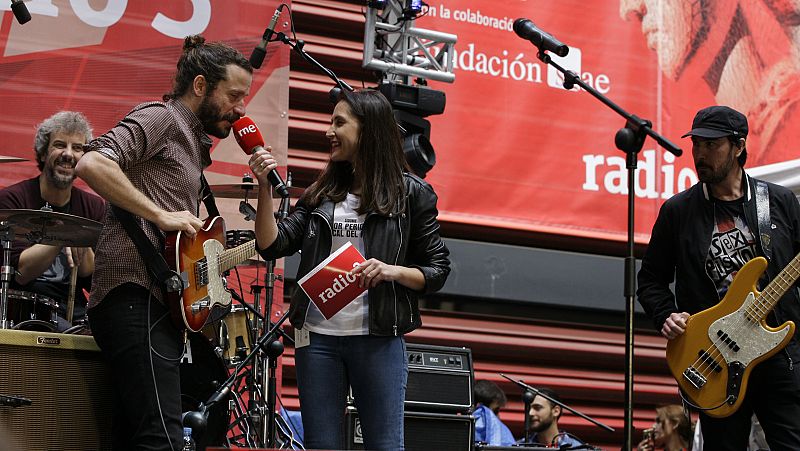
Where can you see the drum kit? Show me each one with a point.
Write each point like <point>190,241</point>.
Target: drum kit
<point>32,311</point>
<point>228,348</point>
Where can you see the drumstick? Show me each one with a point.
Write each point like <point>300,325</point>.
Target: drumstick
<point>73,281</point>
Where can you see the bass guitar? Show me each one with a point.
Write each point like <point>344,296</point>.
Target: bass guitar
<point>201,262</point>
<point>713,358</point>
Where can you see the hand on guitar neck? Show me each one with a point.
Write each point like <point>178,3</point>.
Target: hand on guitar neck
<point>674,325</point>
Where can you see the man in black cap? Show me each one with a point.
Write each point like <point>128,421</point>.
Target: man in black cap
<point>701,238</point>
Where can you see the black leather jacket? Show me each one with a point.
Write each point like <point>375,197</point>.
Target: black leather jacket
<point>680,241</point>
<point>410,238</point>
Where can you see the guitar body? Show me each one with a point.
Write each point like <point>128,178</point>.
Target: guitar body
<point>713,358</point>
<point>196,260</point>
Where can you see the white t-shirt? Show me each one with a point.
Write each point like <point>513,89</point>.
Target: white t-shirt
<point>354,318</point>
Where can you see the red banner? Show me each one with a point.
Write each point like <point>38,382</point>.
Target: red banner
<point>515,149</point>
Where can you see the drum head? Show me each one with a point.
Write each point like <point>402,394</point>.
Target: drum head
<point>199,380</point>
<point>36,325</point>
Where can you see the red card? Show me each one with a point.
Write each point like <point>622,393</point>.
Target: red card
<point>330,285</point>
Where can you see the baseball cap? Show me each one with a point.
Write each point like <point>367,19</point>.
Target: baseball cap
<point>718,121</point>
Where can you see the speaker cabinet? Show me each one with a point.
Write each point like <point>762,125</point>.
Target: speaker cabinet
<point>423,431</point>
<point>67,384</point>
<point>440,378</point>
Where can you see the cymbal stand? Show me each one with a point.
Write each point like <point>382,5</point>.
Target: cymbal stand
<point>6,272</point>
<point>275,347</point>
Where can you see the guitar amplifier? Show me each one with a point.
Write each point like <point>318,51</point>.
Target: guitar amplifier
<point>440,378</point>
<point>423,431</point>
<point>55,392</point>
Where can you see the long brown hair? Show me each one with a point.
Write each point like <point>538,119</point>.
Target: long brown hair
<point>378,163</point>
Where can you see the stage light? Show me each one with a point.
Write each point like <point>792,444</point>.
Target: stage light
<point>377,4</point>
<point>419,153</point>
<point>412,9</point>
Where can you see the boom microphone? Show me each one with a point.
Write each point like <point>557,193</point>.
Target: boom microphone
<point>20,11</point>
<point>545,41</point>
<point>260,51</point>
<point>250,140</point>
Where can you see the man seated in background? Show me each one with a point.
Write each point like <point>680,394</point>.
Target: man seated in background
<point>44,269</point>
<point>489,399</point>
<point>544,415</point>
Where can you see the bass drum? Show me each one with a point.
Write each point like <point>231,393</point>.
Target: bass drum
<point>199,380</point>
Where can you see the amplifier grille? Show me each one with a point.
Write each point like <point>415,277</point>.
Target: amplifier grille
<point>438,389</point>
<point>67,383</point>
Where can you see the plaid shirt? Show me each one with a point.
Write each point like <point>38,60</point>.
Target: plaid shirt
<point>162,149</point>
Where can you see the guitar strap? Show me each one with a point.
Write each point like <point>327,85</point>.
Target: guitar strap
<point>208,197</point>
<point>764,223</point>
<point>155,261</point>
<point>156,264</point>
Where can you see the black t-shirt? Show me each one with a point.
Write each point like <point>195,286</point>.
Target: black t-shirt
<point>732,244</point>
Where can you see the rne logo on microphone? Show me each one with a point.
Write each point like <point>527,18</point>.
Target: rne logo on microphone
<point>572,61</point>
<point>247,130</point>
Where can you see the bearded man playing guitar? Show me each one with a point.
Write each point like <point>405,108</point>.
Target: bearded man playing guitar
<point>738,342</point>
<point>150,165</point>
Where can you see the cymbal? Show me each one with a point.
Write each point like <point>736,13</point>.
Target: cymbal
<point>238,191</point>
<point>52,228</point>
<point>7,159</point>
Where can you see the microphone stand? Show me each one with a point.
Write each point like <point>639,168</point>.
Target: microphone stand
<point>298,47</point>
<point>275,348</point>
<point>630,140</point>
<point>536,392</point>
<point>527,399</point>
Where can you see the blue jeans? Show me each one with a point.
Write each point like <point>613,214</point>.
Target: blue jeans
<point>375,367</point>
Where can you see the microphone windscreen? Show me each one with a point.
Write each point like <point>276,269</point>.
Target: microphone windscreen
<point>247,134</point>
<point>21,12</point>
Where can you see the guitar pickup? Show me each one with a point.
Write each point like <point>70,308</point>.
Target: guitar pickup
<point>694,377</point>
<point>708,360</point>
<point>201,272</point>
<point>202,304</point>
<point>728,341</point>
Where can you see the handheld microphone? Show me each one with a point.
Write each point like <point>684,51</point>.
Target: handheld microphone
<point>529,31</point>
<point>260,51</point>
<point>20,11</point>
<point>250,140</point>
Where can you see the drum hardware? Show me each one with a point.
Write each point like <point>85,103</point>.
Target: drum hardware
<point>255,369</point>
<point>6,271</point>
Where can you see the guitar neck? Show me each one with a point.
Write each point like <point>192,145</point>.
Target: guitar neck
<point>233,256</point>
<point>780,284</point>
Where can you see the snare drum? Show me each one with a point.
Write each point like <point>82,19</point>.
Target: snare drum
<point>231,335</point>
<point>32,311</point>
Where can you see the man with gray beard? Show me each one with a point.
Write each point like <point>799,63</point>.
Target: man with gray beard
<point>41,268</point>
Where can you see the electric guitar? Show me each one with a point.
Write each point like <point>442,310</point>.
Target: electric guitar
<point>713,358</point>
<point>201,262</point>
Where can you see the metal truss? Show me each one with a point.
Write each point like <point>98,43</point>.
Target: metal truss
<point>392,45</point>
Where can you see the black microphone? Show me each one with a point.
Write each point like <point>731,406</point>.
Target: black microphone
<point>196,419</point>
<point>545,41</point>
<point>260,51</point>
<point>20,11</point>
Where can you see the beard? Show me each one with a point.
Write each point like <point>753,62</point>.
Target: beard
<point>210,115</point>
<point>60,181</point>
<point>541,425</point>
<point>711,176</point>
